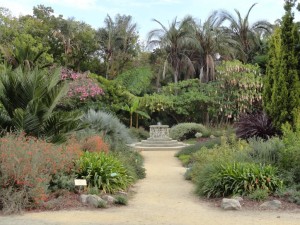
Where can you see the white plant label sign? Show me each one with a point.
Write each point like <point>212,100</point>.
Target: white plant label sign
<point>80,182</point>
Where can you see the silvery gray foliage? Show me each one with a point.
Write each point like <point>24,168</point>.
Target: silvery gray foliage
<point>109,126</point>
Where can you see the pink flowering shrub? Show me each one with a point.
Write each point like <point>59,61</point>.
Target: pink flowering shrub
<point>81,86</point>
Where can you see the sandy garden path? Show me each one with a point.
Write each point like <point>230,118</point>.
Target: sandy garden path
<point>164,197</point>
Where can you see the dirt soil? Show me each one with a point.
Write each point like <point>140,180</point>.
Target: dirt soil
<point>164,197</point>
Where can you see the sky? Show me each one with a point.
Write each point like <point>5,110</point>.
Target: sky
<point>93,12</point>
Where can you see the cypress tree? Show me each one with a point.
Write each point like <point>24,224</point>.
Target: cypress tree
<point>282,87</point>
<point>272,70</point>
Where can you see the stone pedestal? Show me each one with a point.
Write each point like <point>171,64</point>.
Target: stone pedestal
<point>159,139</point>
<point>158,132</point>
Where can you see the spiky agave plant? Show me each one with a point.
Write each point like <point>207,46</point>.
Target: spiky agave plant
<point>255,125</point>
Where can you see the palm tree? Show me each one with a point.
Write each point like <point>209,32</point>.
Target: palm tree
<point>29,100</point>
<point>212,41</point>
<point>174,40</point>
<point>117,39</point>
<point>244,33</point>
<point>134,108</point>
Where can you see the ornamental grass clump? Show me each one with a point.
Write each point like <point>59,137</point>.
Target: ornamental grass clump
<point>103,171</point>
<point>237,178</point>
<point>27,166</point>
<point>255,125</point>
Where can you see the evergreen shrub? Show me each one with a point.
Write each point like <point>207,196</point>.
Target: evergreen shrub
<point>184,131</point>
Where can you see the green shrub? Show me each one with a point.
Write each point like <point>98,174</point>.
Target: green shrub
<point>102,204</point>
<point>140,133</point>
<point>133,162</point>
<point>219,180</point>
<point>62,180</point>
<point>196,147</point>
<point>291,194</point>
<point>103,171</point>
<point>93,191</point>
<point>121,200</point>
<point>229,150</point>
<point>289,156</point>
<point>259,195</point>
<point>109,126</point>
<point>265,151</point>
<point>188,174</point>
<point>184,131</point>
<point>185,159</point>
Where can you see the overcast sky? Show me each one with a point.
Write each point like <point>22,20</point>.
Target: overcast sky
<point>93,12</point>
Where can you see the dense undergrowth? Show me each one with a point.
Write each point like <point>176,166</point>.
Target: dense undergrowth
<point>255,168</point>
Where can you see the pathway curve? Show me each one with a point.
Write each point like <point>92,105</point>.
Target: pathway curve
<point>164,197</point>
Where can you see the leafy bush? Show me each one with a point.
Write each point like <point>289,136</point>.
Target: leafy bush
<point>289,156</point>
<point>27,166</point>
<point>196,147</point>
<point>183,131</point>
<point>229,150</point>
<point>109,126</point>
<point>121,200</point>
<point>237,178</point>
<point>62,180</point>
<point>266,152</point>
<point>136,80</point>
<point>102,204</point>
<point>255,125</point>
<point>133,161</point>
<point>259,194</point>
<point>140,133</point>
<point>185,159</point>
<point>103,171</point>
<point>292,194</point>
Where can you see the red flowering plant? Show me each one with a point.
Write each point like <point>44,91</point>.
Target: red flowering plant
<point>27,165</point>
<point>81,87</point>
<point>95,143</point>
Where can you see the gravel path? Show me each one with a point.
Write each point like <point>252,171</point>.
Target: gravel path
<point>164,197</point>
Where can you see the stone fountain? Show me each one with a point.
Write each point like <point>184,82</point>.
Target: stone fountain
<point>159,140</point>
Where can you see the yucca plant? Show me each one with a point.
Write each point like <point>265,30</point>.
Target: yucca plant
<point>29,100</point>
<point>255,125</point>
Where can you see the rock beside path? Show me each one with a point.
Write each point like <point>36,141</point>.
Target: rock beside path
<point>274,204</point>
<point>230,204</point>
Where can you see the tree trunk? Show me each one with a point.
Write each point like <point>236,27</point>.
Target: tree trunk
<point>130,120</point>
<point>206,115</point>
<point>176,76</point>
<point>137,121</point>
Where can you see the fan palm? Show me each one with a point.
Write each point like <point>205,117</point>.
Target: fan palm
<point>174,40</point>
<point>244,33</point>
<point>29,99</point>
